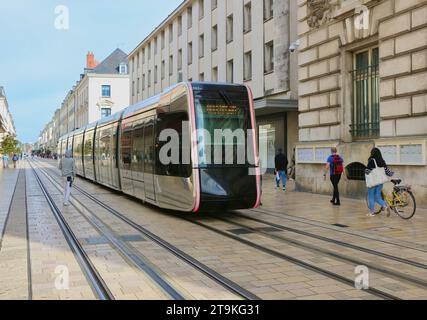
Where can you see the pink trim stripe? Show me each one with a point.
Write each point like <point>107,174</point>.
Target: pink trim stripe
<point>195,158</point>
<point>257,170</point>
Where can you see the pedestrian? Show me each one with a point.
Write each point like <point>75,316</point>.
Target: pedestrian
<point>68,169</point>
<point>335,166</point>
<point>281,165</point>
<point>15,159</point>
<point>5,159</point>
<point>376,181</point>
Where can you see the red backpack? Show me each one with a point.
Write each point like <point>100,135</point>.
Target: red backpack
<point>338,164</point>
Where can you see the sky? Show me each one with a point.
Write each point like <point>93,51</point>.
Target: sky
<point>40,63</point>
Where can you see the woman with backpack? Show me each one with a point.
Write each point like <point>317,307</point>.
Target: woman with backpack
<point>335,166</point>
<point>375,181</point>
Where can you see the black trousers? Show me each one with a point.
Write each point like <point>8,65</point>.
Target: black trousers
<point>335,179</point>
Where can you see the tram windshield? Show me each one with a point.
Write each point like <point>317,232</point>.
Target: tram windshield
<point>223,127</point>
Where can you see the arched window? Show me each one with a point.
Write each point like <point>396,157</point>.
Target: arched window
<point>356,171</point>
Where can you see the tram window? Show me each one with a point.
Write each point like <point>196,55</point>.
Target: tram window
<point>88,149</point>
<point>172,121</point>
<point>149,149</point>
<point>138,146</point>
<point>221,110</point>
<point>126,145</point>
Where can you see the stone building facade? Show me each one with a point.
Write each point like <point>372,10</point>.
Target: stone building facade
<point>235,41</point>
<point>362,83</point>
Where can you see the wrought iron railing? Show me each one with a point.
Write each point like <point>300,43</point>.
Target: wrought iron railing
<point>366,102</point>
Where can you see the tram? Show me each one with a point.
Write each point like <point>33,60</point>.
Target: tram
<point>126,151</point>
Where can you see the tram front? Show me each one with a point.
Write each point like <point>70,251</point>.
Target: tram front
<point>226,147</point>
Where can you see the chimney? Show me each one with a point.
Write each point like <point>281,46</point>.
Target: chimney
<point>91,63</point>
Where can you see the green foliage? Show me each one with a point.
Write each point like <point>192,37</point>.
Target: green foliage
<point>9,145</point>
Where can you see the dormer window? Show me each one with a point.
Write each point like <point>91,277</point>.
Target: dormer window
<point>123,68</point>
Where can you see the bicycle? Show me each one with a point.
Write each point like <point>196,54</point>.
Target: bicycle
<point>401,200</point>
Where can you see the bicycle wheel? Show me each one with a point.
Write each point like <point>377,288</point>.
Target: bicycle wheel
<point>378,208</point>
<point>405,205</point>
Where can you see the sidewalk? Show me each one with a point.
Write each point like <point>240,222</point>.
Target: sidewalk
<point>351,214</point>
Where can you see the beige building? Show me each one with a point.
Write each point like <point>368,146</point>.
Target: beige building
<point>7,127</point>
<point>102,90</point>
<point>363,83</point>
<point>238,41</point>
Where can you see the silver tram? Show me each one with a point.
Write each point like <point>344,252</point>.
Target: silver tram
<point>122,151</point>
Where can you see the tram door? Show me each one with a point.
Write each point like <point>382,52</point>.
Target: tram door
<point>149,160</point>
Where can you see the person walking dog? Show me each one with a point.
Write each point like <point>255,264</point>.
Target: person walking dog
<point>335,166</point>
<point>377,173</point>
<point>68,170</point>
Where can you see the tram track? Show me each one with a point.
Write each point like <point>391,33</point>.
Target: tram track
<point>280,227</point>
<point>6,221</point>
<point>332,275</point>
<point>314,223</point>
<point>218,278</point>
<point>316,249</point>
<point>92,275</point>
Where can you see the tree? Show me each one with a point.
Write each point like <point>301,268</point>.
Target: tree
<point>9,145</point>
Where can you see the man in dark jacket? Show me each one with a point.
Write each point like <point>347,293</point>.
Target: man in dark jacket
<point>281,165</point>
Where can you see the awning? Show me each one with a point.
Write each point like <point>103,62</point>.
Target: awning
<point>271,106</point>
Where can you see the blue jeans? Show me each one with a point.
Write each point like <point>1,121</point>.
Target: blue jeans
<point>374,196</point>
<point>283,177</point>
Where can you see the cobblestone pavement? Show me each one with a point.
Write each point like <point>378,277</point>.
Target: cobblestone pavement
<point>296,246</point>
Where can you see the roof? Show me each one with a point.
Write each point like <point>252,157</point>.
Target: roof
<point>111,64</point>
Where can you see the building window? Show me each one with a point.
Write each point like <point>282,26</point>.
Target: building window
<point>247,18</point>
<point>201,46</point>
<point>143,82</point>
<point>163,39</point>
<point>137,60</point>
<point>230,28</point>
<point>179,59</point>
<point>170,33</point>
<point>269,57</point>
<point>215,74</point>
<point>137,85</point>
<point>247,66</point>
<point>179,26</point>
<point>214,4</point>
<point>170,65</point>
<point>163,71</point>
<point>268,9</point>
<point>133,88</point>
<point>190,17</point>
<point>155,45</point>
<point>149,78</point>
<point>190,53</point>
<point>105,112</point>
<point>366,98</point>
<point>149,51</point>
<point>201,9</point>
<point>156,71</point>
<point>214,37</point>
<point>202,77</point>
<point>230,71</point>
<point>123,68</point>
<point>143,56</point>
<point>106,91</point>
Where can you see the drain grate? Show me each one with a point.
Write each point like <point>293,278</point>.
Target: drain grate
<point>103,240</point>
<point>268,229</point>
<point>132,238</point>
<point>340,225</point>
<point>239,232</point>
